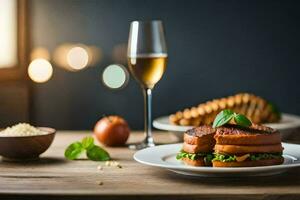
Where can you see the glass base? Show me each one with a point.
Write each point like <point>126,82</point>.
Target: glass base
<point>143,145</point>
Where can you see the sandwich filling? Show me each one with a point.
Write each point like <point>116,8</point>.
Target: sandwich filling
<point>207,157</point>
<point>250,157</point>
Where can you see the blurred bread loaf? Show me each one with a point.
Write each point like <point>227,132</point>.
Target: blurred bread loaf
<point>257,109</point>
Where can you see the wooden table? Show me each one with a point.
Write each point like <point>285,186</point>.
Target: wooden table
<point>53,177</point>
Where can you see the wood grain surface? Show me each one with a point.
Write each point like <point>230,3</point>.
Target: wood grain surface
<point>53,177</point>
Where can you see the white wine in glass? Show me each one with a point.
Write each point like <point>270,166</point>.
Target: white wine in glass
<point>147,69</point>
<point>147,59</point>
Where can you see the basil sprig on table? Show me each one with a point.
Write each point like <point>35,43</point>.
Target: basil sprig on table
<point>225,116</point>
<point>93,152</point>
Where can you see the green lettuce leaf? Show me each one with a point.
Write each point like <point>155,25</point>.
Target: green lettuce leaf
<point>194,156</point>
<point>256,156</point>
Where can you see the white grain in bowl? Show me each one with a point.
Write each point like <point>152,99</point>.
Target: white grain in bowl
<point>20,130</point>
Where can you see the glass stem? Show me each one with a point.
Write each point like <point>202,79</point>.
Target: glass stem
<point>148,116</point>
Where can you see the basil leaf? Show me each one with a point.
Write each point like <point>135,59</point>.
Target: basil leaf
<point>96,153</point>
<point>242,120</point>
<point>223,118</point>
<point>88,142</point>
<point>74,150</point>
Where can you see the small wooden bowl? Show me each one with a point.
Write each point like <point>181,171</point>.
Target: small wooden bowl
<point>21,148</point>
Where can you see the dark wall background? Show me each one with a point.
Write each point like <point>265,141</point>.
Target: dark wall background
<point>216,48</point>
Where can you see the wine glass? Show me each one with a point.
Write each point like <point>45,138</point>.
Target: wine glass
<point>147,59</point>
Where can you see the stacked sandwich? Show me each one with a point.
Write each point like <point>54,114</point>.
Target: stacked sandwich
<point>232,145</point>
<point>198,146</point>
<point>247,146</point>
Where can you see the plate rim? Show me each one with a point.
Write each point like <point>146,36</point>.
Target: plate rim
<point>170,127</point>
<point>136,157</point>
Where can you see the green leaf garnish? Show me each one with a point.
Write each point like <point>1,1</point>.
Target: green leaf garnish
<point>74,150</point>
<point>225,116</point>
<point>242,120</point>
<point>88,142</point>
<point>96,153</point>
<point>93,152</point>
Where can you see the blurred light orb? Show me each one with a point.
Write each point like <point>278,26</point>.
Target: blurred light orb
<point>77,58</point>
<point>65,56</point>
<point>60,56</point>
<point>115,76</point>
<point>40,70</point>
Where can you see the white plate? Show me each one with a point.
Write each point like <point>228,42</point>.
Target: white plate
<point>164,156</point>
<point>286,125</point>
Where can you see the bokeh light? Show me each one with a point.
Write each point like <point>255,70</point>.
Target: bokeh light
<point>39,52</point>
<point>77,58</point>
<point>60,56</point>
<point>115,76</point>
<point>40,70</point>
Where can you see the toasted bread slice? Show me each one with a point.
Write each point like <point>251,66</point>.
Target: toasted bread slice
<point>200,135</point>
<point>237,149</point>
<point>254,135</point>
<point>205,148</point>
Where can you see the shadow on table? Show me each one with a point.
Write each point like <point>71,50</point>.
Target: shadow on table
<point>40,161</point>
<point>285,179</point>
